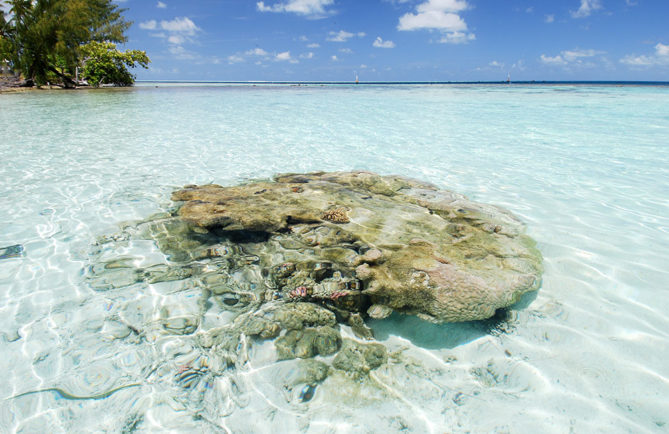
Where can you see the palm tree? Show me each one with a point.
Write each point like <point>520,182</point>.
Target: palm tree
<point>42,38</point>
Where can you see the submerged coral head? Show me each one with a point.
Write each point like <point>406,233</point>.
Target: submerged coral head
<point>393,244</point>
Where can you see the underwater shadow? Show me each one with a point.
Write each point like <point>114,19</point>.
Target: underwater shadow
<point>425,334</point>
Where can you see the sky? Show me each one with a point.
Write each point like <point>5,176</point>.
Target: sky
<point>401,40</point>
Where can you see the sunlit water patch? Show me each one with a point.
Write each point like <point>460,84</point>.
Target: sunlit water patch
<point>586,168</point>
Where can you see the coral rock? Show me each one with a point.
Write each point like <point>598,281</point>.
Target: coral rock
<point>426,251</point>
<point>359,358</point>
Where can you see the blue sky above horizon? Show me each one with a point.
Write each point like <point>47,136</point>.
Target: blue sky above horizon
<point>401,40</point>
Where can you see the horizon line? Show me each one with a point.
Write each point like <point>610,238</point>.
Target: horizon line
<point>497,82</point>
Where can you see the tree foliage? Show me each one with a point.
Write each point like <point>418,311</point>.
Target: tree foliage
<point>43,39</point>
<point>5,46</point>
<point>104,64</point>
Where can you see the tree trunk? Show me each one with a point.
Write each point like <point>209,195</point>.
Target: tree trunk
<point>67,80</point>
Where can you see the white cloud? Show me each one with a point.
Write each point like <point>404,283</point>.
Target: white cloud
<point>180,25</point>
<point>555,60</point>
<point>662,50</point>
<point>442,6</point>
<point>457,38</point>
<point>309,8</point>
<point>570,57</point>
<point>638,60</point>
<point>587,8</point>
<point>574,55</point>
<point>550,18</point>
<point>440,15</point>
<point>256,52</point>
<point>308,55</point>
<point>334,58</point>
<point>445,21</point>
<point>176,39</point>
<point>346,50</point>
<point>380,43</point>
<point>181,53</point>
<point>176,32</point>
<point>264,56</point>
<point>343,36</point>
<point>149,25</point>
<point>661,57</point>
<point>314,45</point>
<point>161,5</point>
<point>235,59</point>
<point>496,64</point>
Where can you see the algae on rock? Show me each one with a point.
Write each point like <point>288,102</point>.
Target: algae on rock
<point>385,242</point>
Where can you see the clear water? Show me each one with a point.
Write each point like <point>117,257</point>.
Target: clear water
<point>586,167</point>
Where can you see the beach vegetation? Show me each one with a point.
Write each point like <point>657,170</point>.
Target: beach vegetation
<point>47,40</point>
<point>104,64</point>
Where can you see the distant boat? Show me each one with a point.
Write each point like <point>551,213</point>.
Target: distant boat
<point>356,78</point>
<point>508,78</point>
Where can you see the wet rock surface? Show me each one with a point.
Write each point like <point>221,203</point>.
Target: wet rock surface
<point>302,261</point>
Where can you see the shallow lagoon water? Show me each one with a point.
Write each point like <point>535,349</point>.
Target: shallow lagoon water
<point>586,167</point>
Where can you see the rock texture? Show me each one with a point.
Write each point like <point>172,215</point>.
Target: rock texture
<point>375,243</point>
<point>8,83</point>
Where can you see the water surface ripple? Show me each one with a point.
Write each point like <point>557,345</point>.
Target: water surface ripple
<point>586,167</point>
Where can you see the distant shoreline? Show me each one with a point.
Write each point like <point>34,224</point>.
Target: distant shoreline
<point>391,83</point>
<point>175,83</point>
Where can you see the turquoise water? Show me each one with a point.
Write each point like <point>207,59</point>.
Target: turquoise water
<point>586,167</point>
